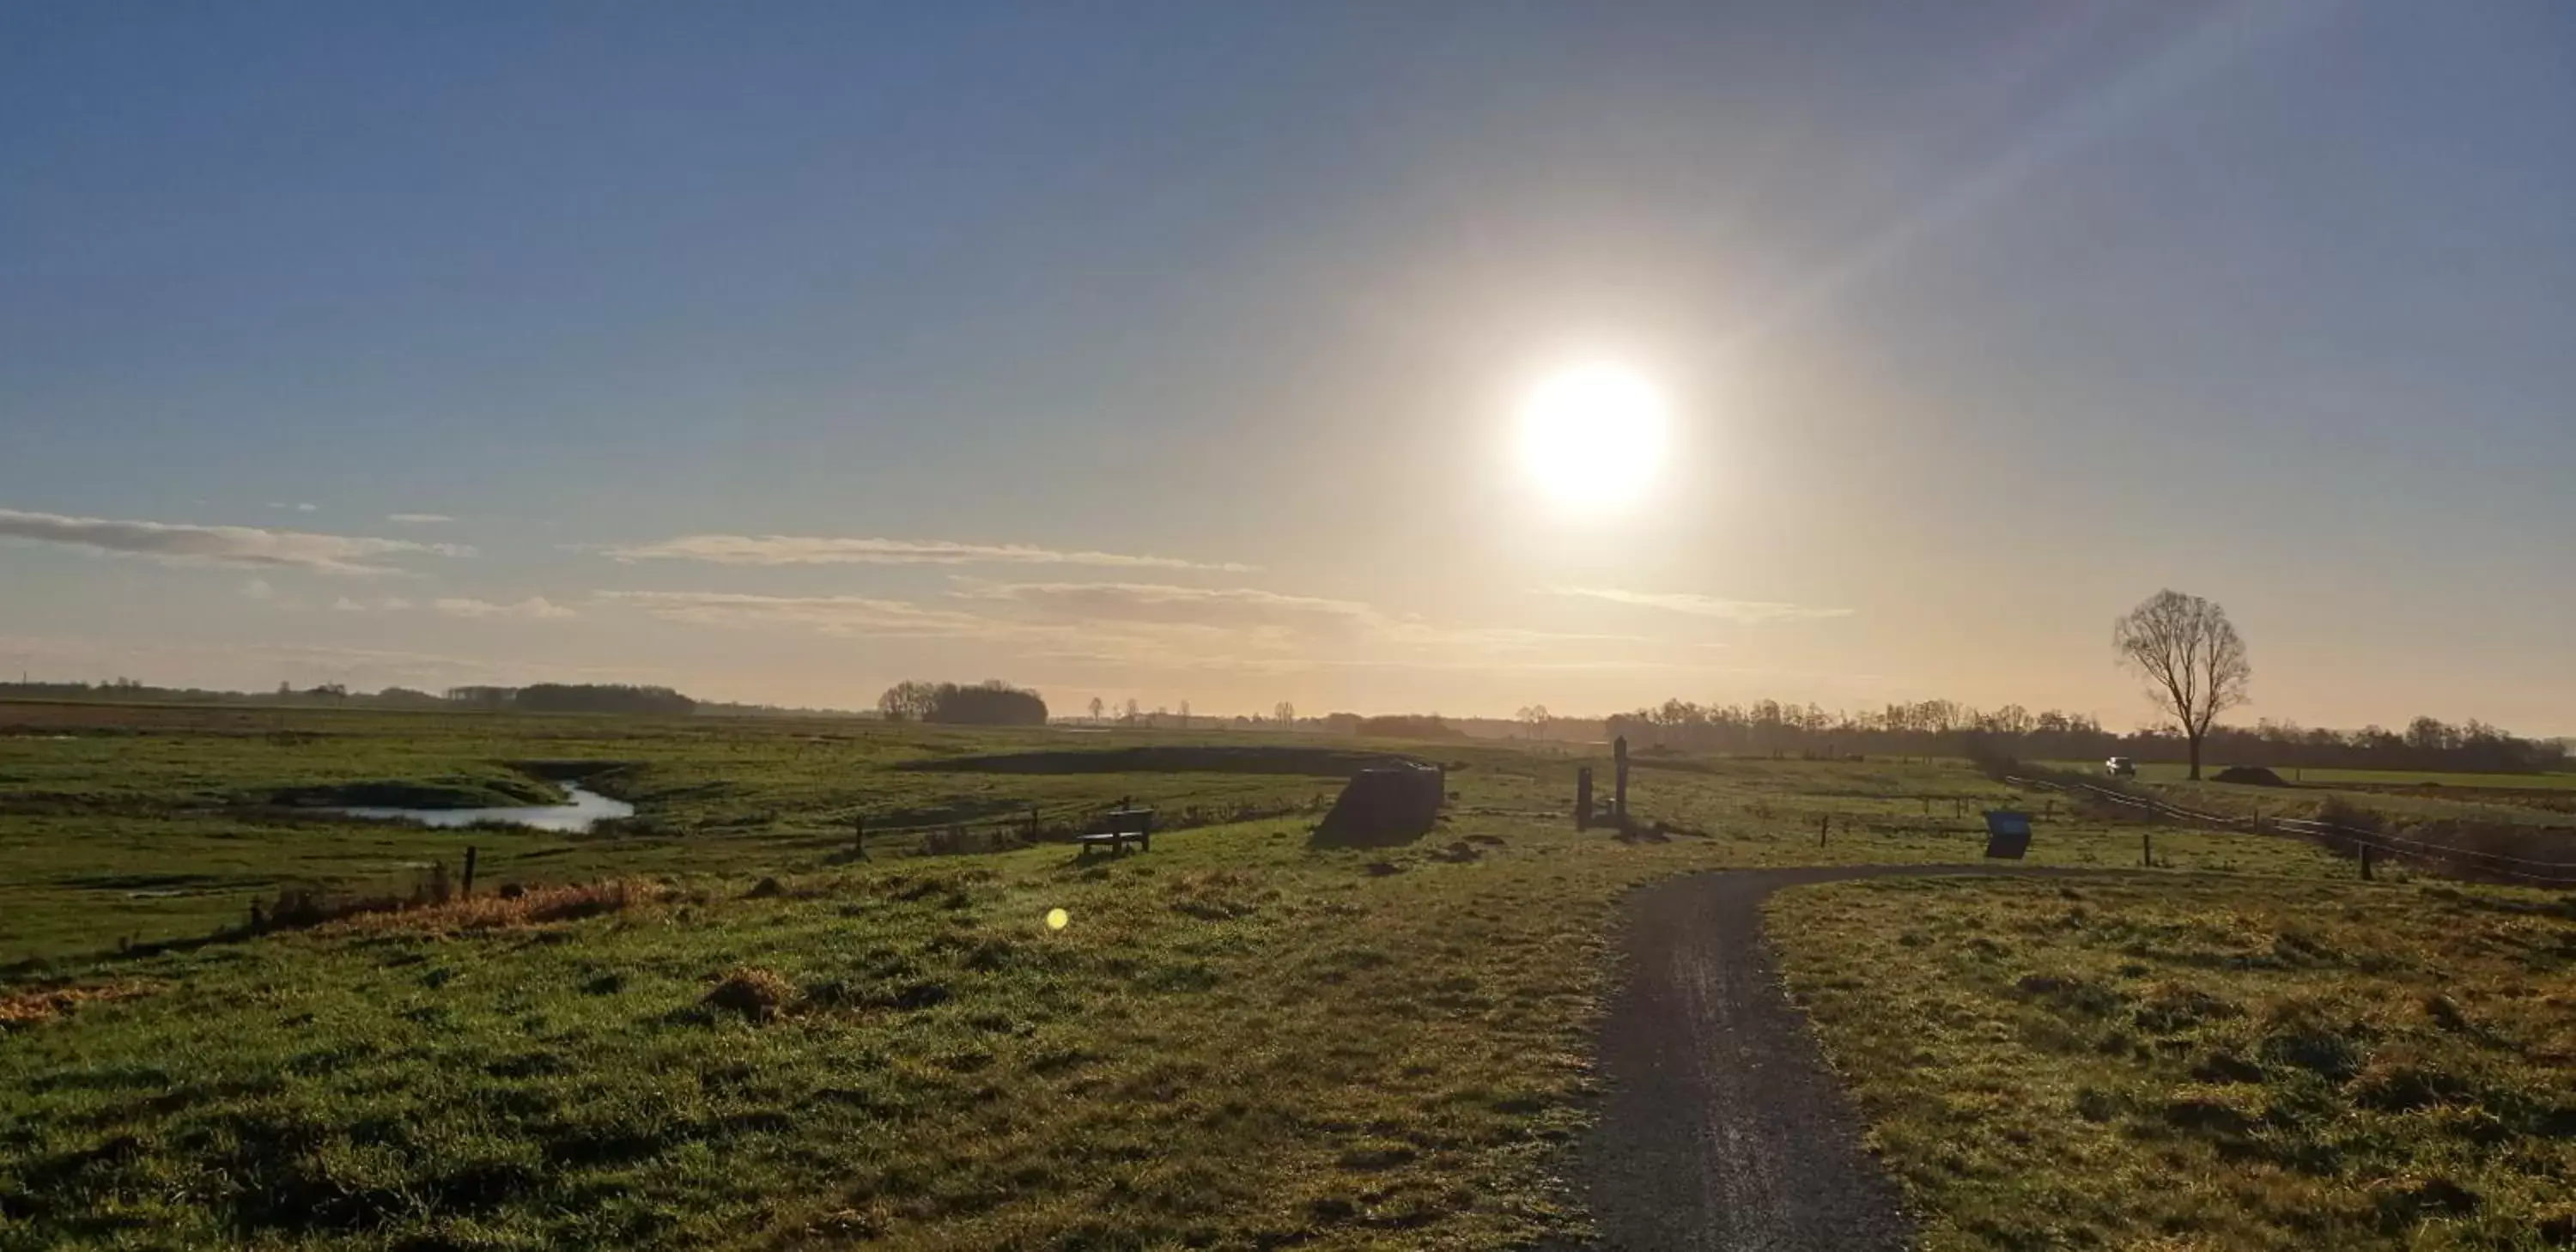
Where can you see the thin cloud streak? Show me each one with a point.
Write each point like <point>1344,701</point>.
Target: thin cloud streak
<point>247,547</point>
<point>418,519</point>
<point>1745,612</point>
<point>1146,624</point>
<point>534,608</point>
<point>826,550</point>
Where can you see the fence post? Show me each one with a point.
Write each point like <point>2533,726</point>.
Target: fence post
<point>2147,849</point>
<point>468,891</point>
<point>1619,797</point>
<point>1583,798</point>
<point>2365,862</point>
<point>1033,823</point>
<point>1824,825</point>
<point>859,836</point>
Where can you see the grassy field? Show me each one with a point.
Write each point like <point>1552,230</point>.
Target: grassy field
<point>1237,1039</point>
<point>2174,772</point>
<point>2206,1063</point>
<point>2537,810</point>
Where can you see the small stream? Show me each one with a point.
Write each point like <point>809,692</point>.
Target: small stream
<point>586,809</point>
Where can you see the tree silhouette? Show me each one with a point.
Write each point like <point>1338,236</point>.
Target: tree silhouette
<point>1096,707</point>
<point>2191,658</point>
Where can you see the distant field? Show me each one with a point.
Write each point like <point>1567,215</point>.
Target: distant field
<point>1238,1039</point>
<point>2160,772</point>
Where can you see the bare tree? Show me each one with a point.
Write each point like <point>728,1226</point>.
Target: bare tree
<point>1131,711</point>
<point>2191,658</point>
<point>1096,707</point>
<point>1284,713</point>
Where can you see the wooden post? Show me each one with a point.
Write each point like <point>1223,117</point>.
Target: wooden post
<point>1033,823</point>
<point>2146,849</point>
<point>2365,862</point>
<point>859,836</point>
<point>1619,793</point>
<point>1823,825</point>
<point>468,891</point>
<point>1583,798</point>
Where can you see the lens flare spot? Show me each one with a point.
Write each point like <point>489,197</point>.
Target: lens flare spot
<point>1057,919</point>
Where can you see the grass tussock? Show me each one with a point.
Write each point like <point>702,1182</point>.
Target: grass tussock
<point>751,993</point>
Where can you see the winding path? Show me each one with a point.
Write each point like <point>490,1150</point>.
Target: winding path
<point>1722,1127</point>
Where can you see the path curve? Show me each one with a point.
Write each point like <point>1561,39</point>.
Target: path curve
<point>1722,1129</point>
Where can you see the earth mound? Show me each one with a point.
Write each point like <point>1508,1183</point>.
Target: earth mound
<point>2251,775</point>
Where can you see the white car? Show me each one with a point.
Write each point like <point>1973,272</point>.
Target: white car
<point>2120,767</point>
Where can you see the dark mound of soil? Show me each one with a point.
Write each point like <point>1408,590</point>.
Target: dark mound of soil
<point>2251,775</point>
<point>1383,806</point>
<point>1165,759</point>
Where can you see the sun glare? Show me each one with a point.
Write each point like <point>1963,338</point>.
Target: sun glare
<point>1592,436</point>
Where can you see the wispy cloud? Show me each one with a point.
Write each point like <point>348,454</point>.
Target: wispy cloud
<point>833,615</point>
<point>1747,612</point>
<point>1155,602</point>
<point>418,519</point>
<point>534,608</point>
<point>1138,624</point>
<point>823,550</point>
<point>290,507</point>
<point>242,546</point>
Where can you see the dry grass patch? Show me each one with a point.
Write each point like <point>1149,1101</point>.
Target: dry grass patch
<point>32,1007</point>
<point>534,906</point>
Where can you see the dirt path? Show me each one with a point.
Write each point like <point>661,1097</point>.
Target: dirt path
<point>1722,1128</point>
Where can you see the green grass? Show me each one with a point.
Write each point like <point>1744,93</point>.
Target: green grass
<point>1238,1040</point>
<point>2204,1062</point>
<point>2153,771</point>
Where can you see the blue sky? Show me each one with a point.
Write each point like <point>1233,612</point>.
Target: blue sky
<point>1980,323</point>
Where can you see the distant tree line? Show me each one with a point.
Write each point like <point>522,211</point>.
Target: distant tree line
<point>602,698</point>
<point>1409,726</point>
<point>541,698</point>
<point>991,702</point>
<point>1933,727</point>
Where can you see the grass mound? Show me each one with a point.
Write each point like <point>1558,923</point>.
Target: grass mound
<point>752,993</point>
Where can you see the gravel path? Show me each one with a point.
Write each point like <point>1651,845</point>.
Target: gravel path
<point>1722,1128</point>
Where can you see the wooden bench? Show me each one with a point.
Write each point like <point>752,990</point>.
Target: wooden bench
<point>1119,828</point>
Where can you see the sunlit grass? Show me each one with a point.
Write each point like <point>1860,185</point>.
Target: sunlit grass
<point>2205,1062</point>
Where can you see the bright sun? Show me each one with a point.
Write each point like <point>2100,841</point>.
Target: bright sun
<point>1593,435</point>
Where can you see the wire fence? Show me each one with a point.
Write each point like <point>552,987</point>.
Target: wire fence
<point>2496,864</point>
